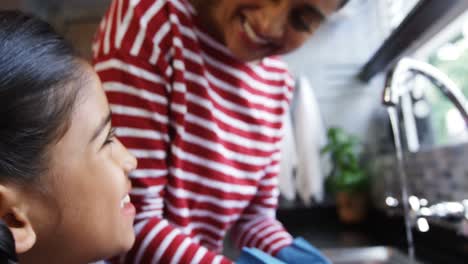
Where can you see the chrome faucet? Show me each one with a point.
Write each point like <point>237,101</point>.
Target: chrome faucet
<point>396,90</point>
<point>393,90</point>
<point>392,94</point>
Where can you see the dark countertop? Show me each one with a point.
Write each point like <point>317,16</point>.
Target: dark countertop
<point>321,227</point>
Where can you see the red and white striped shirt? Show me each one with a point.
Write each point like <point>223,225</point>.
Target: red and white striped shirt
<point>204,126</point>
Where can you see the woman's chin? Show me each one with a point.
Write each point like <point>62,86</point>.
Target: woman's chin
<point>245,56</point>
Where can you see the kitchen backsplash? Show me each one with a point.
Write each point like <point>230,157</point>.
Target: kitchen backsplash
<point>437,175</point>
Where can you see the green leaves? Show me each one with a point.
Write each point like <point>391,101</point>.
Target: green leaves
<point>347,174</point>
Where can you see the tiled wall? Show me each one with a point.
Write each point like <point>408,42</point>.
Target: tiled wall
<point>437,175</point>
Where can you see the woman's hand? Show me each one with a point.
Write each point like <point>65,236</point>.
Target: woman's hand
<point>300,251</point>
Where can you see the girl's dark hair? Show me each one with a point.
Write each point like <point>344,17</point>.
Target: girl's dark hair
<point>7,245</point>
<point>37,72</point>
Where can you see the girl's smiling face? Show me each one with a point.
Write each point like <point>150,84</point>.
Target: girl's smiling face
<point>254,29</point>
<point>85,213</point>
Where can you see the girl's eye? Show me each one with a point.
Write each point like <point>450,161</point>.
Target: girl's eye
<point>110,137</point>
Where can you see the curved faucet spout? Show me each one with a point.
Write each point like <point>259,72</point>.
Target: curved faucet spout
<point>393,90</point>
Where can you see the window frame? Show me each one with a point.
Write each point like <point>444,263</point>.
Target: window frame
<point>426,19</point>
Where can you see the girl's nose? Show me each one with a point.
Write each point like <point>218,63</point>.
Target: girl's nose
<point>129,162</point>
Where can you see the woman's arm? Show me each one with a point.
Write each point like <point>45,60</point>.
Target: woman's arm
<point>134,75</point>
<point>258,226</point>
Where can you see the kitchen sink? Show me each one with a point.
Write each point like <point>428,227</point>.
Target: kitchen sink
<point>367,255</point>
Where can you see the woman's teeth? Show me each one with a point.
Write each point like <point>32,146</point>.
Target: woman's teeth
<point>252,35</point>
<point>124,201</point>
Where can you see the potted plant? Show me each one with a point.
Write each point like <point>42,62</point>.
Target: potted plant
<point>347,180</point>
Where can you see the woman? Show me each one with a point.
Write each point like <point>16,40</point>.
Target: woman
<point>198,94</point>
<point>63,175</point>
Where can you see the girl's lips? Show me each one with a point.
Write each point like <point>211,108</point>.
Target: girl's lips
<point>127,207</point>
<point>124,200</point>
<point>129,210</point>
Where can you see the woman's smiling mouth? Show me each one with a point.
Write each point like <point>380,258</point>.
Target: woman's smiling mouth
<point>255,41</point>
<point>252,35</point>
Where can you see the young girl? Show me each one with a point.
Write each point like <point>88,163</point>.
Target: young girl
<point>63,175</point>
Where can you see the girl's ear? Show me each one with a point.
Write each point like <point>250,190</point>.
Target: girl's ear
<point>21,229</point>
<point>14,215</point>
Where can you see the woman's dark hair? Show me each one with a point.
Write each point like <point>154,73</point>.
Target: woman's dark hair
<point>343,3</point>
<point>7,245</point>
<point>37,72</point>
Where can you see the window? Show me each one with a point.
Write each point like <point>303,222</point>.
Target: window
<point>447,51</point>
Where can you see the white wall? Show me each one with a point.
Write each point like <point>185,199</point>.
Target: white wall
<point>333,57</point>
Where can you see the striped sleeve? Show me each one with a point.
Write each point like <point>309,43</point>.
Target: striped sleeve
<point>258,226</point>
<point>138,100</point>
<point>136,85</point>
